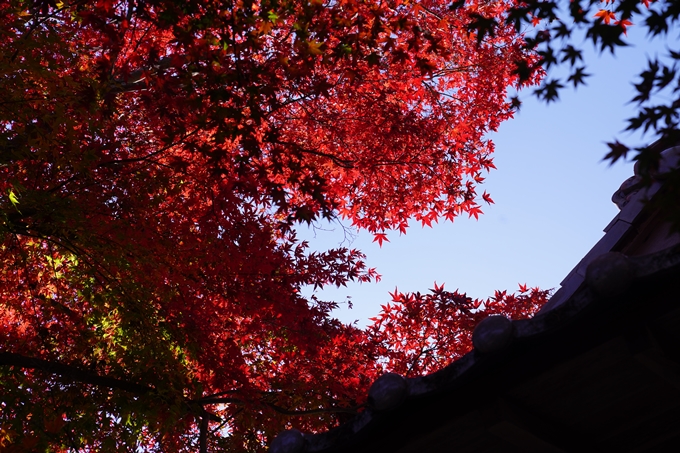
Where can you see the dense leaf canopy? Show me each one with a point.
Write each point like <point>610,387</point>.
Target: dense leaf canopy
<point>156,155</point>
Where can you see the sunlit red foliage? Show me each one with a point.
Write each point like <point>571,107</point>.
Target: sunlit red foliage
<point>155,158</point>
<point>420,333</point>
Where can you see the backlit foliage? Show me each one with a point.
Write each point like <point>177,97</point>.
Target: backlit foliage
<point>155,156</point>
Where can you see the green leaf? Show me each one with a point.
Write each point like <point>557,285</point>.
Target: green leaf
<point>13,198</point>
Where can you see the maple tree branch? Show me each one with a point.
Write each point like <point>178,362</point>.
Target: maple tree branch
<point>440,93</point>
<point>72,372</point>
<point>205,401</point>
<point>279,409</point>
<point>343,163</point>
<point>150,155</point>
<point>135,79</point>
<point>453,70</point>
<point>216,395</point>
<point>87,377</point>
<point>416,359</point>
<point>347,410</point>
<point>224,421</point>
<point>428,10</point>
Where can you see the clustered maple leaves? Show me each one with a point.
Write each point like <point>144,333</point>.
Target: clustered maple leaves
<point>155,157</point>
<point>608,16</point>
<point>419,333</point>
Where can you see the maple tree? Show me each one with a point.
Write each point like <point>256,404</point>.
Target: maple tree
<point>155,157</point>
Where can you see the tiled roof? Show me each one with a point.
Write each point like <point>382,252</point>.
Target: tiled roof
<point>535,361</point>
<point>603,355</point>
<point>624,229</point>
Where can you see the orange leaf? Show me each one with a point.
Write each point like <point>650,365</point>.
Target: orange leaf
<point>623,24</point>
<point>606,15</point>
<point>314,47</point>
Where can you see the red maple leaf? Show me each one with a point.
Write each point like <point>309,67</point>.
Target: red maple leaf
<point>475,211</point>
<point>379,238</point>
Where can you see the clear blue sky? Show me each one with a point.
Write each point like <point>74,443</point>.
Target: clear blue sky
<point>552,194</point>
